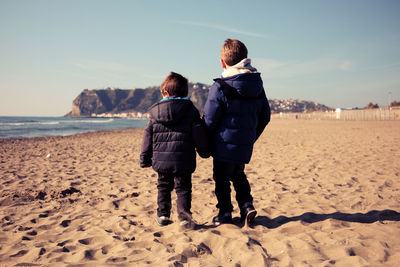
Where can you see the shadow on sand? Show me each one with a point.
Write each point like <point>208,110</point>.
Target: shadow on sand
<point>310,217</point>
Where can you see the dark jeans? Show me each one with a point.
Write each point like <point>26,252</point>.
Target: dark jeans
<point>223,174</point>
<point>183,189</point>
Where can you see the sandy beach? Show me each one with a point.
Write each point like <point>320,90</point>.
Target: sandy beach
<point>327,194</point>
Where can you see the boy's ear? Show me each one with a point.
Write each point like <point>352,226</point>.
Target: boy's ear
<point>165,94</point>
<point>224,66</point>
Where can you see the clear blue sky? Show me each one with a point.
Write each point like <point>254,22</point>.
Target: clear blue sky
<point>338,53</point>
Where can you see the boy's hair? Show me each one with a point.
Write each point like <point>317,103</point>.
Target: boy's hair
<point>175,85</point>
<point>233,51</point>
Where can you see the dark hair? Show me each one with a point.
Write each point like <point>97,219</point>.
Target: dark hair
<point>175,85</point>
<point>233,51</point>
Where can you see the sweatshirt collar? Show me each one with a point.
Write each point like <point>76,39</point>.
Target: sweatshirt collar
<point>244,66</point>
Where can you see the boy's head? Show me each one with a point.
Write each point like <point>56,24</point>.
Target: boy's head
<point>174,85</point>
<point>233,51</point>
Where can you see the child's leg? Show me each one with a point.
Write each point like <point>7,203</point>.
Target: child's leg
<point>243,195</point>
<point>183,188</point>
<point>222,171</point>
<point>241,185</point>
<point>165,185</point>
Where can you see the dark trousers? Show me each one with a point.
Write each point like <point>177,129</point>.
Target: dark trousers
<point>223,174</point>
<point>183,188</point>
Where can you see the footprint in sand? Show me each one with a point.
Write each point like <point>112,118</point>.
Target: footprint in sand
<point>32,233</point>
<point>85,241</point>
<point>19,253</point>
<point>216,232</point>
<point>89,254</point>
<point>116,259</point>
<point>179,259</point>
<point>65,223</point>
<point>42,251</point>
<point>21,228</point>
<point>351,252</point>
<point>201,249</point>
<point>105,249</point>
<point>116,204</point>
<point>61,244</point>
<point>157,234</point>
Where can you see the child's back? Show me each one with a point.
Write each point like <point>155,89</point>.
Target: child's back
<point>170,140</point>
<point>236,113</point>
<point>239,117</point>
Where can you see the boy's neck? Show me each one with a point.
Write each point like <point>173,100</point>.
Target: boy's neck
<point>224,65</point>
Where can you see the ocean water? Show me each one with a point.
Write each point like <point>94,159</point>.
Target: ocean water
<point>22,127</point>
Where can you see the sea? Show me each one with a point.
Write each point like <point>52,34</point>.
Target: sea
<point>25,127</point>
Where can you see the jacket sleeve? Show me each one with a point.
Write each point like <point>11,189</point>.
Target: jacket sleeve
<point>263,118</point>
<point>200,137</point>
<point>147,146</point>
<point>213,108</point>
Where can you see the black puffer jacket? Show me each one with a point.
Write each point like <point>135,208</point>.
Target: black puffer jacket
<point>171,137</point>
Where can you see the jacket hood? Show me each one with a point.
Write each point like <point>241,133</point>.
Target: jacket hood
<point>170,111</point>
<point>247,84</point>
<point>243,66</point>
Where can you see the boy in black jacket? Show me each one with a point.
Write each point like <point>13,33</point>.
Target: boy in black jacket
<point>170,140</point>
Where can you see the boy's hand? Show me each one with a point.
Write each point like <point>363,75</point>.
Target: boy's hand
<point>145,165</point>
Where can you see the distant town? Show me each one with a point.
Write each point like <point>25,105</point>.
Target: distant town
<point>277,106</point>
<point>136,115</point>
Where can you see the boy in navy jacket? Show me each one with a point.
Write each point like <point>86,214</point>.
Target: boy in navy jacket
<point>171,138</point>
<point>236,113</point>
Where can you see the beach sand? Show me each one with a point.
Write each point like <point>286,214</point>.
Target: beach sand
<point>327,194</point>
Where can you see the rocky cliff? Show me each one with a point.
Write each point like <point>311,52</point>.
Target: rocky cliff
<point>115,101</point>
<point>111,100</point>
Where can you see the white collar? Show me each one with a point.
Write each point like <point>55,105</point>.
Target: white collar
<point>244,66</point>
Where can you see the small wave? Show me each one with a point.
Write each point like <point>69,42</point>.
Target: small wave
<point>47,126</point>
<point>100,121</point>
<point>90,121</point>
<point>29,123</point>
<point>12,123</point>
<point>49,123</point>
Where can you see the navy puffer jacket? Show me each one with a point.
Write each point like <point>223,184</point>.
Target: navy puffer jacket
<point>172,135</point>
<point>236,113</point>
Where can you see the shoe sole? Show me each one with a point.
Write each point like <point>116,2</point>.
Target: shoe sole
<point>190,225</point>
<point>251,215</point>
<point>160,224</point>
<point>223,222</point>
<point>216,223</point>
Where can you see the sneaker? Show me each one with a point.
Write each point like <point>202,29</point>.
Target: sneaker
<point>187,221</point>
<point>162,220</point>
<point>187,224</point>
<point>248,213</point>
<point>223,218</point>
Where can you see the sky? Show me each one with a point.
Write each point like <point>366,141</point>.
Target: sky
<point>343,53</point>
